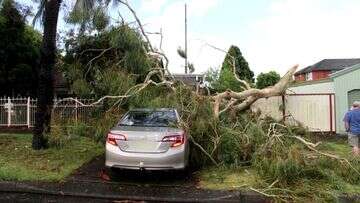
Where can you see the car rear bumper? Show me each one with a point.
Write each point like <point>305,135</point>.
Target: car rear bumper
<point>173,159</point>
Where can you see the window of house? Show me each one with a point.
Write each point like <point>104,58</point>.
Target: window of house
<point>308,76</point>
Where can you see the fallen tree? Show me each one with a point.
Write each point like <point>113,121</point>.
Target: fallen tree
<point>223,101</point>
<point>283,155</point>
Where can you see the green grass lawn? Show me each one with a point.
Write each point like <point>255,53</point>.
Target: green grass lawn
<point>19,162</point>
<point>229,179</point>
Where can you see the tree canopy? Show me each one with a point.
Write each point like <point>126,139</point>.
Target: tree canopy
<point>267,79</point>
<point>224,79</point>
<point>19,52</point>
<point>235,57</point>
<point>92,61</point>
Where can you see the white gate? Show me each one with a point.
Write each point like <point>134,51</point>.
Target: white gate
<point>314,111</point>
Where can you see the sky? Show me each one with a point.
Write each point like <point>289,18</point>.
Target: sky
<point>271,34</point>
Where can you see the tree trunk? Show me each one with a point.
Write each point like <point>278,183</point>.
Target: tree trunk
<point>47,63</point>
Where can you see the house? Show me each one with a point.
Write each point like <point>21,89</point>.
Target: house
<point>192,80</point>
<point>347,90</point>
<point>343,85</point>
<point>324,68</point>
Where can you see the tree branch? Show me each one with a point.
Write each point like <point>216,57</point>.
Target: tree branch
<point>124,2</point>
<point>249,96</point>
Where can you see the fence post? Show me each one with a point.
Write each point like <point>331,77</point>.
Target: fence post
<point>331,113</point>
<point>76,110</point>
<point>9,112</point>
<point>28,112</point>
<point>283,107</point>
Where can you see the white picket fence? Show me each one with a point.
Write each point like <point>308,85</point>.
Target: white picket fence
<point>16,112</point>
<point>314,111</point>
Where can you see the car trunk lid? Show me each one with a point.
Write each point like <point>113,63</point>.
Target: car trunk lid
<point>144,139</point>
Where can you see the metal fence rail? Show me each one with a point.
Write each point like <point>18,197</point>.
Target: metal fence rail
<point>21,111</point>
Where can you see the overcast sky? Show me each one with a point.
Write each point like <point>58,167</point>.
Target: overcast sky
<point>271,34</point>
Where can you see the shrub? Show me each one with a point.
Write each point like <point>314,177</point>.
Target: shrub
<point>58,136</point>
<point>77,129</point>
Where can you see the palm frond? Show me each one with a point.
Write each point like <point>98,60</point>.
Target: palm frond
<point>191,67</point>
<point>181,53</point>
<point>81,13</point>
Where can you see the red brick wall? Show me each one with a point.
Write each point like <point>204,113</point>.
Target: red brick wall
<point>300,77</point>
<point>318,75</point>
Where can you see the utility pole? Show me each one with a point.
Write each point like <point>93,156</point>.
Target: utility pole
<point>186,54</point>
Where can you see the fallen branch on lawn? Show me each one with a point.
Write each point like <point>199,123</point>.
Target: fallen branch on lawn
<point>284,198</point>
<point>312,147</point>
<point>332,156</point>
<point>203,150</point>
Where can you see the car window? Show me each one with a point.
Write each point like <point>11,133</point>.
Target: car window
<point>149,118</point>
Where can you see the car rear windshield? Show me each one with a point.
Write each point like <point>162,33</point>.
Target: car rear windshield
<point>149,118</point>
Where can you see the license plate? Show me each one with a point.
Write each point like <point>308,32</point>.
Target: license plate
<point>143,146</point>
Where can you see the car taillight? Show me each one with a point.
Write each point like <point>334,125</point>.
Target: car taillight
<point>176,140</point>
<point>111,138</point>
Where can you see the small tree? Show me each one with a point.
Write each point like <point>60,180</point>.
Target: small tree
<point>267,79</point>
<point>222,81</point>
<point>234,57</point>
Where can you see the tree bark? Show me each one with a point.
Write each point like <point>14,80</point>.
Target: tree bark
<point>46,85</point>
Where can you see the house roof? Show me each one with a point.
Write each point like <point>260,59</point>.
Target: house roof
<point>179,75</point>
<point>330,64</point>
<point>345,71</point>
<point>190,79</point>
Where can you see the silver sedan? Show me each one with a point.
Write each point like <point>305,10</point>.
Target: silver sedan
<point>147,139</point>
